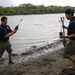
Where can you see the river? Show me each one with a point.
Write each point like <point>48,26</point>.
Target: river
<point>34,30</point>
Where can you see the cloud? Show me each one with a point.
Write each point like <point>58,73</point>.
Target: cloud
<point>37,2</point>
<point>47,2</point>
<point>6,3</point>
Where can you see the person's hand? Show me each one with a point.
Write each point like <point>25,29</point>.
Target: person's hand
<point>63,26</point>
<point>14,31</point>
<point>63,36</point>
<point>16,28</point>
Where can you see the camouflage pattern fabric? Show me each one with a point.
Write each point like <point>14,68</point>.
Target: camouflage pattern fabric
<point>69,49</point>
<point>5,46</point>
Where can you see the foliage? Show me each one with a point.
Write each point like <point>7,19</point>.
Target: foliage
<point>24,9</point>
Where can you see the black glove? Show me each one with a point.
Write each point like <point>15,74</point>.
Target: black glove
<point>16,28</point>
<point>60,33</point>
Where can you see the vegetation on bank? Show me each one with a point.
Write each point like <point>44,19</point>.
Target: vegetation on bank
<point>24,9</point>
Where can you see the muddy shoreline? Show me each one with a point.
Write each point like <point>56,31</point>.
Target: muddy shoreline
<point>48,64</point>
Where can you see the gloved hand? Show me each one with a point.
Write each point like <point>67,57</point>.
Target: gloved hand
<point>16,28</point>
<point>60,33</point>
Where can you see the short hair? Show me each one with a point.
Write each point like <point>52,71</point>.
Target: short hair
<point>3,18</point>
<point>69,11</point>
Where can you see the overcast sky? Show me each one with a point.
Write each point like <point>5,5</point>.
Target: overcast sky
<point>37,2</point>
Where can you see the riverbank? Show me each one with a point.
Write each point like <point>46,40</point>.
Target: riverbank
<point>48,64</point>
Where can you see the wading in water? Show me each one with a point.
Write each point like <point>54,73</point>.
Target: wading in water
<point>69,51</point>
<point>5,33</point>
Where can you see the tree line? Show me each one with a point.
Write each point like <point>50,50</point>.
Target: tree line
<point>24,9</point>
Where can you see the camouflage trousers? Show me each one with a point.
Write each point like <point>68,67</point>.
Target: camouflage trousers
<point>5,46</point>
<point>69,49</point>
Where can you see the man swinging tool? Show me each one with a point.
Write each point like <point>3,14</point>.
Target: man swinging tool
<point>5,33</point>
<point>69,51</point>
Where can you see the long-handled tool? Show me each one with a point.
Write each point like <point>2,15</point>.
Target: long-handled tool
<point>62,30</point>
<point>19,22</point>
<point>62,20</point>
<point>16,28</point>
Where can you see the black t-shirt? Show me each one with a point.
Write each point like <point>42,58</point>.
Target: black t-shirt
<point>4,30</point>
<point>71,27</point>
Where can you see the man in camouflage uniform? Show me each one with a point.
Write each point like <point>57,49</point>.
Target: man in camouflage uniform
<point>69,51</point>
<point>5,33</point>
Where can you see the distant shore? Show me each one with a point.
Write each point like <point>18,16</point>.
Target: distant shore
<point>28,8</point>
<point>49,64</point>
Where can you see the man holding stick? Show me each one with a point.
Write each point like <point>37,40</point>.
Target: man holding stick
<point>5,33</point>
<point>69,51</point>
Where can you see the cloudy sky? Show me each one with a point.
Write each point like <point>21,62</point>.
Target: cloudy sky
<point>37,2</point>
